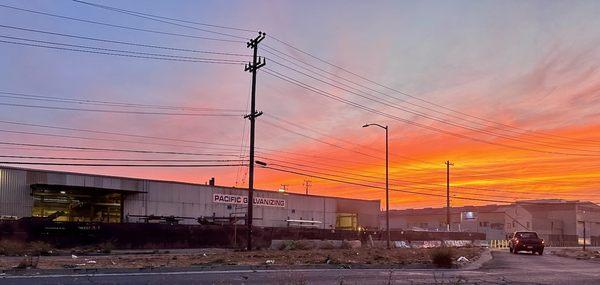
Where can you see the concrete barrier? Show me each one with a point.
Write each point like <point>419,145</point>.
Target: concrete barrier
<point>314,244</point>
<point>458,243</point>
<point>402,244</point>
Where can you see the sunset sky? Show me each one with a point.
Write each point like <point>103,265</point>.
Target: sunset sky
<point>508,91</point>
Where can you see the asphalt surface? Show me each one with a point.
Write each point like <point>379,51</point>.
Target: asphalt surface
<point>504,268</point>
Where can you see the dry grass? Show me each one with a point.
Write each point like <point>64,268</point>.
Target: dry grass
<point>18,248</point>
<point>220,257</point>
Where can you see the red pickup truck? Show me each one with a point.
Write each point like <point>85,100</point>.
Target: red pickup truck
<point>526,241</point>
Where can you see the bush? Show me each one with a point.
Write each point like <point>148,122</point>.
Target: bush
<point>106,247</point>
<point>351,244</point>
<point>304,244</point>
<point>15,247</point>
<point>12,247</point>
<point>327,244</point>
<point>28,263</point>
<point>288,245</point>
<point>442,257</point>
<point>40,248</point>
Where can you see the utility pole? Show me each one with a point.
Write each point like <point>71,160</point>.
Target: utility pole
<point>256,63</point>
<point>448,164</point>
<point>283,188</point>
<point>307,184</point>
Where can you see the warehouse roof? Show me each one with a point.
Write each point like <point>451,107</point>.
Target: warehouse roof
<point>169,181</point>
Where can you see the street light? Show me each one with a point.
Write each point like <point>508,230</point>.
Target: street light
<point>387,188</point>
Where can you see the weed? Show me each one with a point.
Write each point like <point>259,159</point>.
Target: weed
<point>442,257</point>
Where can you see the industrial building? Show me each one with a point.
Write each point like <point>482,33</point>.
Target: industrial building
<point>557,221</point>
<point>78,197</point>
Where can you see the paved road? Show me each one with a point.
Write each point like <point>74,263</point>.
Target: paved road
<point>505,268</point>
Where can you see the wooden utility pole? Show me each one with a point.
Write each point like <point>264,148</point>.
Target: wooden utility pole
<point>307,184</point>
<point>252,67</point>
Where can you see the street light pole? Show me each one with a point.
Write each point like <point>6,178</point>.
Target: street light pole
<point>387,183</point>
<point>584,237</point>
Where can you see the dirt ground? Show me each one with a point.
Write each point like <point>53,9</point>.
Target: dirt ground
<point>590,254</point>
<point>220,257</point>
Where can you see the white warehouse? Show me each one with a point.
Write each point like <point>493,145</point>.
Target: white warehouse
<point>79,197</point>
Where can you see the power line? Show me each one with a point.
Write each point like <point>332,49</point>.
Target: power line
<point>118,54</point>
<point>117,165</point>
<point>23,96</point>
<point>403,181</point>
<point>113,133</point>
<point>120,159</point>
<point>157,18</point>
<point>112,51</point>
<point>343,140</point>
<point>120,111</point>
<point>403,101</point>
<point>113,149</point>
<point>319,140</point>
<point>118,26</point>
<point>109,140</point>
<point>427,116</point>
<point>371,110</point>
<point>167,18</point>
<point>378,187</point>
<point>123,42</point>
<point>140,15</point>
<point>436,190</point>
<point>401,92</point>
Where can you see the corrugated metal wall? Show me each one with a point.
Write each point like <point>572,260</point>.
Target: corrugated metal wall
<point>15,194</point>
<point>186,200</point>
<point>181,199</point>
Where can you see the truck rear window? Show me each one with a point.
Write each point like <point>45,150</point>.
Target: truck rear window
<point>526,235</point>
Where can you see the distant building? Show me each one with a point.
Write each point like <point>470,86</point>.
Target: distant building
<point>78,197</point>
<point>557,221</point>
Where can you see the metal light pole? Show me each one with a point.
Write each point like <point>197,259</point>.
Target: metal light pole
<point>387,184</point>
<point>584,237</point>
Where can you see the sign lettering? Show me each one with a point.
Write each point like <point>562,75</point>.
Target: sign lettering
<point>243,200</point>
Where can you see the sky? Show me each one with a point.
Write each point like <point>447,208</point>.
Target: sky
<point>508,91</point>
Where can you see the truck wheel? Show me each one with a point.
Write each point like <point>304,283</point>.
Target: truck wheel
<point>541,252</point>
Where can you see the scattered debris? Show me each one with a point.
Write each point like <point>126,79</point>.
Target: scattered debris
<point>270,262</point>
<point>462,259</point>
<point>73,256</point>
<point>69,266</point>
